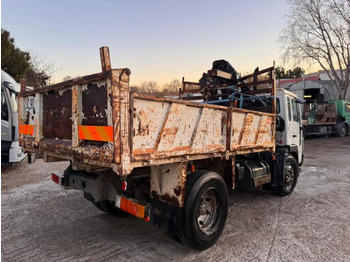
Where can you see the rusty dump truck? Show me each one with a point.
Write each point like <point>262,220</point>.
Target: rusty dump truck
<point>167,161</point>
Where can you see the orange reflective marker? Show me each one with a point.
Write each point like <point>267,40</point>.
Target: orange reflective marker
<point>26,129</point>
<point>96,133</point>
<point>131,207</point>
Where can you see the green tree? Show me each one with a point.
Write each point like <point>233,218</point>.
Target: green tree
<point>297,72</point>
<point>280,73</point>
<point>13,60</point>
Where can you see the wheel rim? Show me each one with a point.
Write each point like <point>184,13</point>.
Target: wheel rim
<point>289,177</point>
<point>207,213</point>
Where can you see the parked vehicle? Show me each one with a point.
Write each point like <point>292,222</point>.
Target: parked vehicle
<point>11,152</point>
<point>343,110</point>
<point>321,117</point>
<point>168,161</point>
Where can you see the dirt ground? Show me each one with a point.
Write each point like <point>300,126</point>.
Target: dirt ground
<point>40,224</point>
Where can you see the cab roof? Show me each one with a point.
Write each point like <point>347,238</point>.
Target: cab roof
<point>11,83</point>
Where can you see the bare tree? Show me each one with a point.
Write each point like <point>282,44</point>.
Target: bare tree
<point>173,86</point>
<point>318,31</point>
<point>40,70</point>
<point>149,87</point>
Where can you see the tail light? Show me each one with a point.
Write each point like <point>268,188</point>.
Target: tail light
<point>57,178</point>
<point>124,185</point>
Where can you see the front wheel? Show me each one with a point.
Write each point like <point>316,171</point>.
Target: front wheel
<point>291,173</point>
<point>205,209</point>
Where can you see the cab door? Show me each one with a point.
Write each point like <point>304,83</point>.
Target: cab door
<point>295,127</point>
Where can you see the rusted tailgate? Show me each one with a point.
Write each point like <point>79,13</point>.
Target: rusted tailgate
<point>65,117</point>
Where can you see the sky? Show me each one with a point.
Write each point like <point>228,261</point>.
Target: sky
<point>158,40</point>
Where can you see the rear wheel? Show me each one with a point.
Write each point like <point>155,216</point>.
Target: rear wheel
<point>342,131</point>
<point>291,173</point>
<point>205,209</point>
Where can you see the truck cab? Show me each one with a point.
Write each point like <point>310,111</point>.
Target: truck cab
<point>343,110</point>
<point>290,137</point>
<point>11,152</point>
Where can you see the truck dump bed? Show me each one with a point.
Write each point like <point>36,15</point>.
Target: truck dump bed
<point>96,121</point>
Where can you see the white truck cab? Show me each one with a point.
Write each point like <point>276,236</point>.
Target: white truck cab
<point>11,152</point>
<point>291,136</point>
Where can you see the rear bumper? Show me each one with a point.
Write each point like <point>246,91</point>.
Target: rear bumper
<point>101,188</point>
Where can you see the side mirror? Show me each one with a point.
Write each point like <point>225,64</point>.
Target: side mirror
<point>8,85</point>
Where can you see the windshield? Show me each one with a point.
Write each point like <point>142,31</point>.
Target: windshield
<point>14,101</point>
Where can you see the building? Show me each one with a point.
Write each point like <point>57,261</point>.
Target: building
<point>310,85</point>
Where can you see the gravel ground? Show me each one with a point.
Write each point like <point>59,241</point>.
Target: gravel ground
<point>312,224</point>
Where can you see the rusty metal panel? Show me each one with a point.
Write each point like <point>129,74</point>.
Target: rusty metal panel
<point>57,114</point>
<point>168,183</point>
<point>76,115</point>
<point>146,127</point>
<point>163,129</point>
<point>121,120</point>
<point>38,120</point>
<point>105,59</point>
<point>94,104</point>
<point>251,129</point>
<point>211,131</point>
<point>266,131</point>
<point>178,127</point>
<point>237,127</point>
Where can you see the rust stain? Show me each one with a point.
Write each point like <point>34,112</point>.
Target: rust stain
<point>166,198</point>
<point>177,190</point>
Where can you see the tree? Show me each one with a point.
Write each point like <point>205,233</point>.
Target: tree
<point>149,87</point>
<point>14,61</point>
<point>297,72</point>
<point>19,64</point>
<point>318,31</point>
<point>173,86</point>
<point>40,71</point>
<point>280,72</point>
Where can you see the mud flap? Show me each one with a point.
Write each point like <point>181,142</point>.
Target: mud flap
<point>278,169</point>
<point>166,217</point>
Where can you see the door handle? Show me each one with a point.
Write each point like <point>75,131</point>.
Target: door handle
<point>294,135</point>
